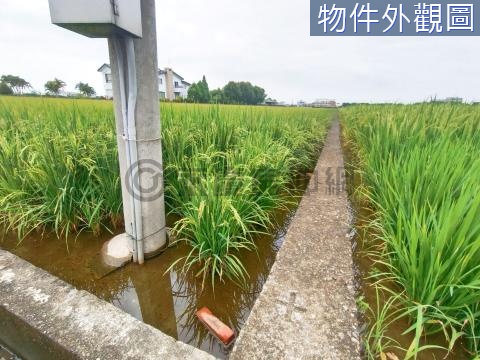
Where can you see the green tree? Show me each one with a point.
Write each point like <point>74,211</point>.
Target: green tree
<point>205,90</point>
<point>216,96</point>
<point>54,86</point>
<point>260,94</point>
<point>5,89</point>
<point>194,93</point>
<point>231,93</point>
<point>15,83</point>
<point>243,93</point>
<point>85,89</point>
<point>199,92</point>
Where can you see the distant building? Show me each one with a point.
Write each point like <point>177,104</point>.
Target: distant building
<point>453,100</point>
<point>448,100</point>
<point>171,86</point>
<point>271,102</point>
<point>326,103</point>
<point>301,103</point>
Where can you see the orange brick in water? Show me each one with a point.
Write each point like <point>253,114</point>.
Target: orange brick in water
<point>221,331</point>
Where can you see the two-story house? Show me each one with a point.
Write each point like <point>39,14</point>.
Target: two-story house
<point>171,86</point>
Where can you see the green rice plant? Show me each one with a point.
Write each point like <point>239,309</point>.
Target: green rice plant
<point>58,166</point>
<point>229,176</point>
<point>422,174</point>
<point>227,169</point>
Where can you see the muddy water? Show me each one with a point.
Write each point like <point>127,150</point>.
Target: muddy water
<point>6,354</point>
<point>364,242</point>
<point>165,300</point>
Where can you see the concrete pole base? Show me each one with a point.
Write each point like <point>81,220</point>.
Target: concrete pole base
<point>118,251</point>
<point>155,244</point>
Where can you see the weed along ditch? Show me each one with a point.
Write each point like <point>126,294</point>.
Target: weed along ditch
<point>234,176</point>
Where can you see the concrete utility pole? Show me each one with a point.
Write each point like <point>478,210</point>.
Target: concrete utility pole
<point>130,27</point>
<point>142,178</point>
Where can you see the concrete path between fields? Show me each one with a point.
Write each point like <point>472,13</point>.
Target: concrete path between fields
<point>307,307</point>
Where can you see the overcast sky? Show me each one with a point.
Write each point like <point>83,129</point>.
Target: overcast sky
<point>265,42</point>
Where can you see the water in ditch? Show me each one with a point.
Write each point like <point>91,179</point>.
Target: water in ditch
<point>166,300</point>
<point>6,353</point>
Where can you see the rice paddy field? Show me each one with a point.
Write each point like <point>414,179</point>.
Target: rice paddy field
<point>415,172</point>
<point>227,170</point>
<point>414,181</point>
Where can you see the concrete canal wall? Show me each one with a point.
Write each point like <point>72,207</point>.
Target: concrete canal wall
<point>42,317</point>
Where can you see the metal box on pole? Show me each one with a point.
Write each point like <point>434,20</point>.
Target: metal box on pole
<point>98,18</point>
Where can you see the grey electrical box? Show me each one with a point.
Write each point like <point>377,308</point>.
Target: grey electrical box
<point>98,18</point>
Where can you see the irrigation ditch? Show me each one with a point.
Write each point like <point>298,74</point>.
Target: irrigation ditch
<point>165,299</point>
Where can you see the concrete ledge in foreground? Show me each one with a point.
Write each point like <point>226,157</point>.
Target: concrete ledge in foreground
<point>307,307</point>
<point>43,316</point>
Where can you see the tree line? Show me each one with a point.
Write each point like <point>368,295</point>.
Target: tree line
<point>15,85</point>
<point>242,92</point>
